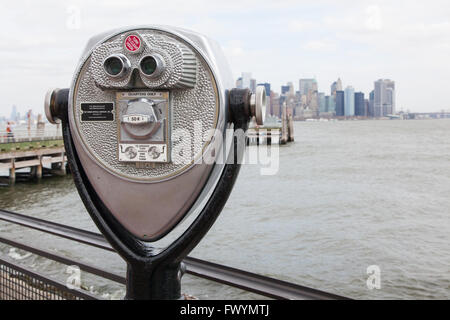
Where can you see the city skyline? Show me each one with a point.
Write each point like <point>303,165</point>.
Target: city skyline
<point>408,41</point>
<point>309,100</point>
<point>340,102</point>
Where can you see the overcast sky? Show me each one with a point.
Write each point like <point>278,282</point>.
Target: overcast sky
<point>278,41</point>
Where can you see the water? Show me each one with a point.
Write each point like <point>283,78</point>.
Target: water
<point>348,195</point>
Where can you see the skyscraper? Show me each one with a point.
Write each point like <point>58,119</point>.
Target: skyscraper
<point>291,88</point>
<point>371,104</point>
<point>253,85</point>
<point>339,84</point>
<point>13,116</point>
<point>308,89</point>
<point>349,102</point>
<point>307,85</point>
<point>340,107</point>
<point>285,89</point>
<point>360,109</point>
<point>322,105</point>
<point>384,98</point>
<point>275,104</point>
<point>336,86</point>
<point>246,78</point>
<point>333,88</point>
<point>366,107</point>
<point>330,102</point>
<point>327,103</point>
<point>390,97</point>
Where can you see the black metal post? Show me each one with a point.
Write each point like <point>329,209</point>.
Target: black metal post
<point>148,282</point>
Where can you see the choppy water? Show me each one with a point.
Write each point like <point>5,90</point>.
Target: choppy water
<point>348,195</point>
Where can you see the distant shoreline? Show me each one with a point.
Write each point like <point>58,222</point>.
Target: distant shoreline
<point>362,119</point>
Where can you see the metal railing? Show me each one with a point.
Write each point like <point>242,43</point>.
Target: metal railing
<point>18,283</point>
<point>262,285</point>
<point>34,134</point>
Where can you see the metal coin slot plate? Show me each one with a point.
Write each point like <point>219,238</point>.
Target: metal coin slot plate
<point>143,128</point>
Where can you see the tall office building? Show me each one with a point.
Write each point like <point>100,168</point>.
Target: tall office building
<point>246,78</point>
<point>360,106</point>
<point>336,86</point>
<point>14,115</point>
<point>307,85</point>
<point>384,98</point>
<point>275,104</point>
<point>285,89</point>
<point>291,88</point>
<point>308,89</point>
<point>371,112</point>
<point>349,102</point>
<point>330,104</point>
<point>390,97</point>
<point>246,81</point>
<point>339,84</point>
<point>253,85</point>
<point>340,106</point>
<point>366,107</point>
<point>322,104</point>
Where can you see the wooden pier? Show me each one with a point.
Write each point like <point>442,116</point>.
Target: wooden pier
<point>264,135</point>
<point>272,133</point>
<point>34,150</point>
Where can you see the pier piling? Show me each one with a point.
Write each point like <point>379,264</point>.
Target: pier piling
<point>12,175</point>
<point>39,170</point>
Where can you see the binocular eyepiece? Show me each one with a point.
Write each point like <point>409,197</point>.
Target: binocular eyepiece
<point>118,65</point>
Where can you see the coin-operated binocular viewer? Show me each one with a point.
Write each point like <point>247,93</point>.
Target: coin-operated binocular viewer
<point>145,126</point>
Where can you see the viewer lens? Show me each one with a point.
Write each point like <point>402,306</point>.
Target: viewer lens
<point>148,65</point>
<point>113,66</point>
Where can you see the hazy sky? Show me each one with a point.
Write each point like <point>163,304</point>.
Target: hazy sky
<point>278,41</point>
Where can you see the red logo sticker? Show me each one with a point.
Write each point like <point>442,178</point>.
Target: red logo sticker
<point>132,43</point>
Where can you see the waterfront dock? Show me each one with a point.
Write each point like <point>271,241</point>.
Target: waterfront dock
<point>35,149</point>
<point>272,132</point>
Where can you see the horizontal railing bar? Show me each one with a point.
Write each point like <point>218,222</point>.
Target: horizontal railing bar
<point>55,257</point>
<point>47,130</point>
<point>273,288</point>
<point>82,236</point>
<point>56,284</point>
<point>252,282</point>
<point>266,286</point>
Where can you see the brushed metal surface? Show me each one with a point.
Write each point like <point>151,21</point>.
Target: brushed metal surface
<point>150,201</point>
